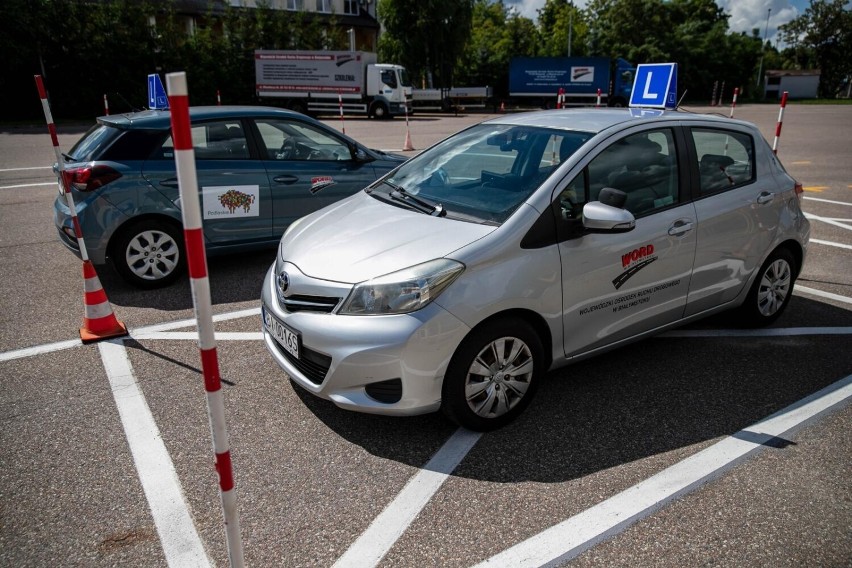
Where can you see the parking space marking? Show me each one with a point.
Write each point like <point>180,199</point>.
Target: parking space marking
<point>831,244</point>
<point>193,335</point>
<point>385,530</point>
<point>828,221</point>
<point>821,294</point>
<point>26,185</point>
<point>181,543</point>
<point>827,201</point>
<point>23,169</point>
<point>774,332</point>
<point>571,537</point>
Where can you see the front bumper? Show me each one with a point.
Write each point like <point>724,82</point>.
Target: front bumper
<point>391,365</point>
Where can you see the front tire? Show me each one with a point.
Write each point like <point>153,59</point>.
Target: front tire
<point>771,291</point>
<point>493,375</point>
<point>379,111</point>
<point>149,254</point>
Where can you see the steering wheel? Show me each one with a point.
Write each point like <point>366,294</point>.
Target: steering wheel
<point>288,150</point>
<point>439,177</point>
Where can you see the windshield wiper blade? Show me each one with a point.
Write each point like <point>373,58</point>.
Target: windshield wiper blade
<point>398,193</point>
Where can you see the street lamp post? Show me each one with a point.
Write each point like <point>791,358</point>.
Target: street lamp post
<point>763,49</point>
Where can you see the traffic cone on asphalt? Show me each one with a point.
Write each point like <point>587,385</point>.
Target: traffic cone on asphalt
<point>407,147</point>
<point>99,322</point>
<point>502,106</point>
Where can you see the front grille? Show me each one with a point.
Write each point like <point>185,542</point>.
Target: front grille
<point>389,391</point>
<point>310,363</point>
<point>321,304</point>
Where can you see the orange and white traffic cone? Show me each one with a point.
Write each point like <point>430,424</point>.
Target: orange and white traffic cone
<point>407,147</point>
<point>502,106</point>
<point>100,321</point>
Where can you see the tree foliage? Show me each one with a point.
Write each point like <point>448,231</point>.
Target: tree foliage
<point>821,38</point>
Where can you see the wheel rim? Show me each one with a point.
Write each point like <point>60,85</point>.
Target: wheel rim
<point>379,111</point>
<point>499,377</point>
<point>152,255</point>
<point>774,287</point>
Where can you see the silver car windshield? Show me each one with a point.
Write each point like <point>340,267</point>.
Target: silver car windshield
<point>485,172</point>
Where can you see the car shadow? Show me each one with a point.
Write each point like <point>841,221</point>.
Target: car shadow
<point>652,397</point>
<point>233,278</point>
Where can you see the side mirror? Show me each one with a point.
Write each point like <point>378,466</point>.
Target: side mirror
<point>598,217</point>
<point>359,155</point>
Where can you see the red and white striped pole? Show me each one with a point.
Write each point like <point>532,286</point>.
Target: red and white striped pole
<point>598,103</point>
<point>780,120</point>
<point>60,162</point>
<point>734,102</point>
<point>106,105</point>
<point>340,103</point>
<point>200,283</point>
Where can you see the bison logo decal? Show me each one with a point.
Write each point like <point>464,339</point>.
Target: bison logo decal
<point>233,199</point>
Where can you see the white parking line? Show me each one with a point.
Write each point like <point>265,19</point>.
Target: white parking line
<point>182,545</point>
<point>386,529</point>
<point>24,169</point>
<point>828,221</point>
<point>27,185</point>
<point>829,243</point>
<point>828,201</point>
<point>571,537</point>
<point>797,290</point>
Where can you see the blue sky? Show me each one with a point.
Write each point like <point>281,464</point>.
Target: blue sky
<point>745,14</point>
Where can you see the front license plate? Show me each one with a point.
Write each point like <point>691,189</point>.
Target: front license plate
<point>289,339</point>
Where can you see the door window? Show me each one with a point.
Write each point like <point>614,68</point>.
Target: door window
<point>725,159</point>
<point>220,140</point>
<point>292,140</point>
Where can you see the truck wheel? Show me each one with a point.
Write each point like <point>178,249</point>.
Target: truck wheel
<point>149,254</point>
<point>379,111</point>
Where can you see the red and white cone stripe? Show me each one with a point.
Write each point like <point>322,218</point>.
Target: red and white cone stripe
<point>200,283</point>
<point>106,105</point>
<point>734,102</point>
<point>780,120</point>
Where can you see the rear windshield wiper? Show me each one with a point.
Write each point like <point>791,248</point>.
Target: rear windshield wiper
<point>399,194</point>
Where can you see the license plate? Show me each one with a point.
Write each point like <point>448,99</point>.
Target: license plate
<point>288,338</point>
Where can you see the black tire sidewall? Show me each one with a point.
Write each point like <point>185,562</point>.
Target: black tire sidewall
<point>119,248</point>
<point>750,312</point>
<point>453,401</point>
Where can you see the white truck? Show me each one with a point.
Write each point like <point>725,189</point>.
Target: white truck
<point>323,82</point>
<point>451,99</point>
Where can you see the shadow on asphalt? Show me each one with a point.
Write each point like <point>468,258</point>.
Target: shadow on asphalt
<point>649,398</point>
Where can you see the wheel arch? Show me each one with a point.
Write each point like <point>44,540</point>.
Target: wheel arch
<point>121,229</point>
<point>535,320</point>
<point>796,250</point>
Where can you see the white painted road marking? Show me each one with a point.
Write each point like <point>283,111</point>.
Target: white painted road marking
<point>27,185</point>
<point>829,243</point>
<point>182,545</point>
<point>386,529</point>
<point>577,534</point>
<point>24,169</point>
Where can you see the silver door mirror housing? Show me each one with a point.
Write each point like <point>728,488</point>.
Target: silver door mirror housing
<point>601,218</point>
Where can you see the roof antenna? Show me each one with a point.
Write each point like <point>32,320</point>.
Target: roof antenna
<point>677,106</point>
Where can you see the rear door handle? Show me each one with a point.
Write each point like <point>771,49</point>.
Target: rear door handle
<point>171,182</point>
<point>286,179</point>
<point>765,197</point>
<point>681,227</point>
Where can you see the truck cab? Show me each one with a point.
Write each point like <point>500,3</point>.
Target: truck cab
<point>389,88</point>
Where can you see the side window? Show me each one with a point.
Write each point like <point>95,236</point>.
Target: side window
<point>221,140</point>
<point>725,159</point>
<point>643,165</point>
<point>389,78</point>
<point>293,140</point>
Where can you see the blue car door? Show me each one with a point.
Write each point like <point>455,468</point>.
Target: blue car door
<point>236,207</point>
<point>309,166</point>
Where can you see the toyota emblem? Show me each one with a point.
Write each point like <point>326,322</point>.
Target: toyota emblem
<point>283,282</point>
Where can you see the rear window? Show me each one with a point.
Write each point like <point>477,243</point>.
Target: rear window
<point>103,142</point>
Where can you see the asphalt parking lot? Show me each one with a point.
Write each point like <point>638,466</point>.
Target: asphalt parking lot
<point>705,446</point>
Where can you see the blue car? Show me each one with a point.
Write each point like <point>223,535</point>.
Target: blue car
<point>259,169</point>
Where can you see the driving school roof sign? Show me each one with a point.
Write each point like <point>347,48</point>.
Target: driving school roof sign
<point>655,86</point>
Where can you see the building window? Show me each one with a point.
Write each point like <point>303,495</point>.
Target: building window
<point>350,7</point>
<point>294,4</point>
<point>324,6</point>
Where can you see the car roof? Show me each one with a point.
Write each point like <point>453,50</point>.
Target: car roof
<point>161,119</point>
<point>598,120</point>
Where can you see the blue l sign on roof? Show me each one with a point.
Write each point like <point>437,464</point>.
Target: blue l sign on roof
<point>655,86</point>
<point>157,98</point>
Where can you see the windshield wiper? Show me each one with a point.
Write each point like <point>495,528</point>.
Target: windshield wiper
<point>399,194</point>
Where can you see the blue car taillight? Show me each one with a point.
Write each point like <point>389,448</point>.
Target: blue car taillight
<point>90,177</point>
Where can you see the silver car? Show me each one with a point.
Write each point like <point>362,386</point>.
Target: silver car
<point>526,243</point>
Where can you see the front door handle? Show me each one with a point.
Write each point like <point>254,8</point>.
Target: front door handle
<point>681,227</point>
<point>286,179</point>
<point>171,182</point>
<point>765,197</point>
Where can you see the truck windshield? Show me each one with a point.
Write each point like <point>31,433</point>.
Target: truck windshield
<point>403,78</point>
<point>485,172</point>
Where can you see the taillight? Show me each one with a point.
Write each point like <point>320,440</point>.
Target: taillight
<point>89,177</point>
<point>799,190</point>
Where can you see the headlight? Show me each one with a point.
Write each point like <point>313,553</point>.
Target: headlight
<point>404,291</point>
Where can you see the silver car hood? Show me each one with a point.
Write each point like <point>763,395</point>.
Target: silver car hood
<point>361,237</point>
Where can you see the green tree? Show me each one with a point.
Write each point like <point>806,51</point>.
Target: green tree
<point>822,38</point>
<point>559,21</point>
<point>426,36</point>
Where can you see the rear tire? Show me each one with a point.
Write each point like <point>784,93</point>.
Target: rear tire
<point>493,375</point>
<point>771,291</point>
<point>149,254</point>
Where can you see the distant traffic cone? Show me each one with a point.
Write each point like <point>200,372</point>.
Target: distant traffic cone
<point>99,322</point>
<point>407,147</point>
<point>502,106</point>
